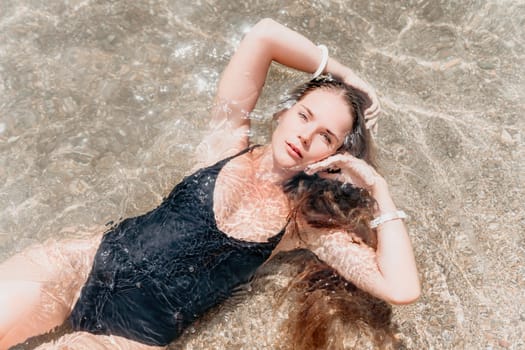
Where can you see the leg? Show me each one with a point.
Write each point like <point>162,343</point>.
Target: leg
<point>39,286</point>
<point>84,340</point>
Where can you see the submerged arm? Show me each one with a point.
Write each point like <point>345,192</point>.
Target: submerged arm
<point>390,272</point>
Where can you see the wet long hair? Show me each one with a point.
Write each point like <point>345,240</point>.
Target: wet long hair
<point>326,203</point>
<point>328,311</point>
<point>327,308</point>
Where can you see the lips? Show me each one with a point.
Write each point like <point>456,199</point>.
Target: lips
<point>294,150</point>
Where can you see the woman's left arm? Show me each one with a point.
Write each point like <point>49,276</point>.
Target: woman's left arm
<point>243,79</point>
<point>395,255</point>
<point>390,272</point>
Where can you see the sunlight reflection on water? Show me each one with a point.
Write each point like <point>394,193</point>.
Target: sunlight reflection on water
<point>102,105</point>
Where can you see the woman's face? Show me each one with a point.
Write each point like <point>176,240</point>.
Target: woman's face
<point>313,129</point>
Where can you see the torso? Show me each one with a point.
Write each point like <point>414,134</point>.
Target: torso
<point>184,256</point>
<point>246,205</point>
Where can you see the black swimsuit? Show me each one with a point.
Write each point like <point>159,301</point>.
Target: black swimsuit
<point>155,274</point>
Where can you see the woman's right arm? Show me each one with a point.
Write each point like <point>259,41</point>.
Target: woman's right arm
<point>243,79</point>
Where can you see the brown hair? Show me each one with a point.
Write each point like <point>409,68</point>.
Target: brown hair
<point>325,203</point>
<point>327,308</point>
<point>329,312</point>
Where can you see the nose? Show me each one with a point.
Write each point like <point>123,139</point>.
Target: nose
<point>305,135</point>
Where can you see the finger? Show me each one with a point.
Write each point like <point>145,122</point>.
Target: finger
<point>371,117</point>
<point>373,128</point>
<point>330,162</point>
<point>363,174</point>
<point>318,168</point>
<point>371,123</point>
<point>375,100</point>
<point>377,108</point>
<point>373,110</point>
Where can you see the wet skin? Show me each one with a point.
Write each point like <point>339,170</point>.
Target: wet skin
<point>311,130</point>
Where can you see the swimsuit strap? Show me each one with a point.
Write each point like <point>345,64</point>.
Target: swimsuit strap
<point>222,162</point>
<point>273,240</point>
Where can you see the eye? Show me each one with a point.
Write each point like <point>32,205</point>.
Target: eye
<point>326,137</point>
<point>303,116</point>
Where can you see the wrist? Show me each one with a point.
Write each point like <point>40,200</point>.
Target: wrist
<point>336,69</point>
<point>379,187</point>
<point>386,217</point>
<point>382,196</point>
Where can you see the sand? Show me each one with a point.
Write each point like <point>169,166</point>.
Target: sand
<point>102,104</point>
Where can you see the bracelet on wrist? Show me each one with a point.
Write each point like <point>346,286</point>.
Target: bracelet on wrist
<point>381,219</point>
<point>324,61</point>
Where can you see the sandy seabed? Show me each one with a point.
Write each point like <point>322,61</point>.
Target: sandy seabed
<point>103,102</point>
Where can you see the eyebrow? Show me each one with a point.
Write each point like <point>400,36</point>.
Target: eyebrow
<point>313,115</point>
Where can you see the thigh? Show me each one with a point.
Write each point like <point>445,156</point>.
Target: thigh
<point>60,267</point>
<point>84,340</point>
<point>39,286</point>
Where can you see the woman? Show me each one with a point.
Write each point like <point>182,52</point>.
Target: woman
<point>153,275</point>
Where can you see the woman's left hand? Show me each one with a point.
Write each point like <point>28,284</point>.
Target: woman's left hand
<point>352,170</point>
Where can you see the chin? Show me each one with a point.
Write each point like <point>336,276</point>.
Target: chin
<point>282,160</point>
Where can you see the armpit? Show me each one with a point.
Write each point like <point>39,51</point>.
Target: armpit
<point>220,142</point>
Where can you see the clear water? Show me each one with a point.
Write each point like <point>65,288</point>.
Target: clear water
<point>102,104</point>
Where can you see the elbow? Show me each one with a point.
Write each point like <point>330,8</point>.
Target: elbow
<point>405,296</point>
<point>265,23</point>
<point>264,28</point>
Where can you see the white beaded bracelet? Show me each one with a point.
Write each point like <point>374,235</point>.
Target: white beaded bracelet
<point>381,219</point>
<point>324,61</point>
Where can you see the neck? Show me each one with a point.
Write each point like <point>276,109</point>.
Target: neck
<point>266,169</point>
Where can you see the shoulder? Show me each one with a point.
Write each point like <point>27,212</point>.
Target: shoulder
<point>217,146</point>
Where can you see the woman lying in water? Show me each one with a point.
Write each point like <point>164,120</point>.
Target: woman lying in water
<point>146,279</point>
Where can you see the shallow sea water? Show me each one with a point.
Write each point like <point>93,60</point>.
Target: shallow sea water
<point>103,102</point>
